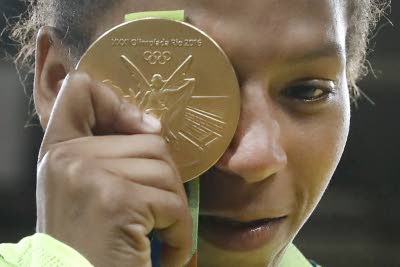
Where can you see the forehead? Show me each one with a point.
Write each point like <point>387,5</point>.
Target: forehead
<point>266,11</point>
<point>274,25</point>
<point>255,15</point>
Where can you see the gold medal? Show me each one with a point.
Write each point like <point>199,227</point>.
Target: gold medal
<point>178,74</point>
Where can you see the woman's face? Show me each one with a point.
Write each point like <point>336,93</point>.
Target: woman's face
<point>290,59</point>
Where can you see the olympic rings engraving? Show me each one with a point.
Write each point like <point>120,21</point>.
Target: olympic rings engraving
<point>157,57</point>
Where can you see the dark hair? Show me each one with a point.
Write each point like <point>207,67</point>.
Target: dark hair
<point>73,21</point>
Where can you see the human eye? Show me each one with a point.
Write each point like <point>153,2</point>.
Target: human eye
<point>310,91</point>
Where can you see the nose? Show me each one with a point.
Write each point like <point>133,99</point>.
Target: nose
<point>256,151</point>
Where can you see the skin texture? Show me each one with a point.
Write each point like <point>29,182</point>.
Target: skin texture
<point>283,155</point>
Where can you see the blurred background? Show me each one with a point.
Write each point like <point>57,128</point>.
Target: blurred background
<point>357,222</point>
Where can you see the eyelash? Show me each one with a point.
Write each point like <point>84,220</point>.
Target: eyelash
<point>323,87</point>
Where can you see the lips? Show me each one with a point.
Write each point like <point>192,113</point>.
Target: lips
<point>230,234</point>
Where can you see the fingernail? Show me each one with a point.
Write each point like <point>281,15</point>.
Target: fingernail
<point>153,123</point>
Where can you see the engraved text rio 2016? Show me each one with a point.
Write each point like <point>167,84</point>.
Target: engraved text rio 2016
<point>157,42</point>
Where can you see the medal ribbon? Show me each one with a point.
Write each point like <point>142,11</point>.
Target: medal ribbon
<point>192,187</point>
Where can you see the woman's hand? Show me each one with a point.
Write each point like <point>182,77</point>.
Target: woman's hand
<point>106,180</point>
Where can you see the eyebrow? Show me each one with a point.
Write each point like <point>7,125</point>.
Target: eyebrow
<point>328,49</point>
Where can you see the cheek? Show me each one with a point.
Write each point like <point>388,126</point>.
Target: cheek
<point>314,151</point>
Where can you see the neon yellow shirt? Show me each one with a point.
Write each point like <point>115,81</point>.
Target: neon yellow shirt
<point>41,250</point>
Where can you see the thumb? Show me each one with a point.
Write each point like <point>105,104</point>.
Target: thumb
<point>85,107</point>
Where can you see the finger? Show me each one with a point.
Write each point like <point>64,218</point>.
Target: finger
<point>150,173</point>
<point>84,107</point>
<point>170,212</point>
<point>119,146</point>
<point>172,257</point>
<point>173,223</point>
<point>146,172</point>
